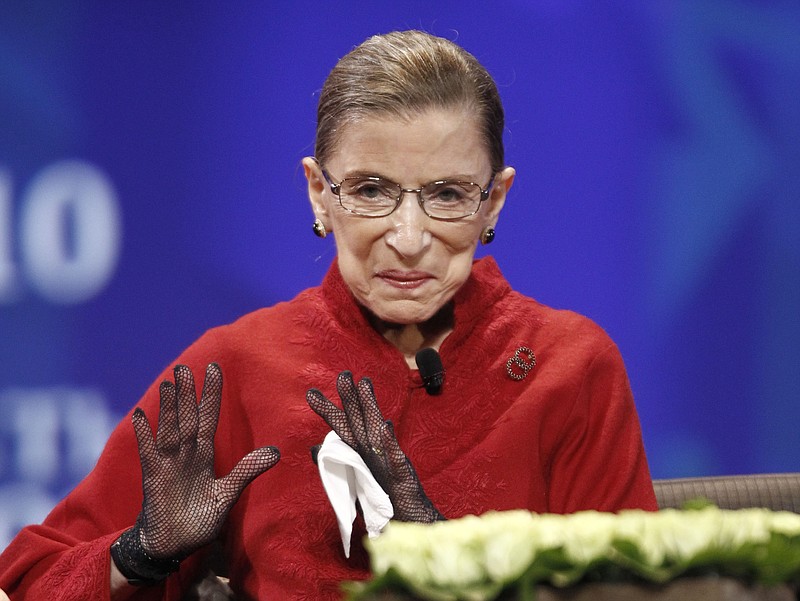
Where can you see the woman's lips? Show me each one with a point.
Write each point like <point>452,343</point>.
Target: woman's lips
<point>404,279</point>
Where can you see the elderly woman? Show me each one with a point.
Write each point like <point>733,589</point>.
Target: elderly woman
<point>534,412</point>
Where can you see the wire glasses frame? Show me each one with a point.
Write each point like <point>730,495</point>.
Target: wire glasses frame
<point>372,196</point>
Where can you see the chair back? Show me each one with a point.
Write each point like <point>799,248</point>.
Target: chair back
<point>772,491</point>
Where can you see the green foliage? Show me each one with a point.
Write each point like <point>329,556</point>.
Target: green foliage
<point>506,554</point>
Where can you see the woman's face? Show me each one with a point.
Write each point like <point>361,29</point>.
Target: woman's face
<point>406,266</point>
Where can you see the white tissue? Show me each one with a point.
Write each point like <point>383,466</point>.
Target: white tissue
<point>346,478</point>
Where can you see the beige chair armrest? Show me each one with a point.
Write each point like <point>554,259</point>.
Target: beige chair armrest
<point>779,492</point>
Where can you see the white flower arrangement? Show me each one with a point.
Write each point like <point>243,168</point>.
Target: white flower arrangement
<point>475,558</point>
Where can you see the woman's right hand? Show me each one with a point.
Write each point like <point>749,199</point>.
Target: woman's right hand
<point>184,505</point>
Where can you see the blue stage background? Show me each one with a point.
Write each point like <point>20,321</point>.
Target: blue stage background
<point>150,188</point>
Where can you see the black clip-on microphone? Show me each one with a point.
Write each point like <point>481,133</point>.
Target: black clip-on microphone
<point>431,370</point>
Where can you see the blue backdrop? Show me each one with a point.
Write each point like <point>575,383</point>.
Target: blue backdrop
<point>150,189</point>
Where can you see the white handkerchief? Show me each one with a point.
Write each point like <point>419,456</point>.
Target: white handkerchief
<point>346,478</point>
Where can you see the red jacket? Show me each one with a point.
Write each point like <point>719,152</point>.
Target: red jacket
<point>564,437</point>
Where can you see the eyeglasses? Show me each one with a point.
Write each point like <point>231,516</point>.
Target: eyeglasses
<point>445,200</point>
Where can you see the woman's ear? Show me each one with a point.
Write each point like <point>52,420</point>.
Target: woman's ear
<point>316,190</point>
<point>497,196</point>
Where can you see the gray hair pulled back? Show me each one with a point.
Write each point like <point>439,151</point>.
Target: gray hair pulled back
<point>403,73</point>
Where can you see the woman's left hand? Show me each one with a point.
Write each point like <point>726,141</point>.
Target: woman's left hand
<point>361,425</point>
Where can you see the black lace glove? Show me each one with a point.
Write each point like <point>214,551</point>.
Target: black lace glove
<point>184,505</point>
<point>361,425</point>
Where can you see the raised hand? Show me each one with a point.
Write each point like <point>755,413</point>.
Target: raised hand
<point>361,425</point>
<point>185,504</point>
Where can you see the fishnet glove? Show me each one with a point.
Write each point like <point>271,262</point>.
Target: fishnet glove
<point>361,425</point>
<point>184,505</point>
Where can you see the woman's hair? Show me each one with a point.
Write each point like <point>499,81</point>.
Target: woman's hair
<point>403,73</point>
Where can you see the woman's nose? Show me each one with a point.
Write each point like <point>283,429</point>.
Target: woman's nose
<point>409,234</point>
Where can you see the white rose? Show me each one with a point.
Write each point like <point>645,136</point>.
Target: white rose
<point>785,522</point>
<point>640,528</point>
<point>511,548</point>
<point>405,547</point>
<point>453,564</point>
<point>742,526</point>
<point>549,530</point>
<point>588,536</point>
<point>684,534</point>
